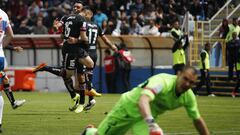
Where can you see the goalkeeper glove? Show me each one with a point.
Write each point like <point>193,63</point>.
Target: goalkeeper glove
<point>154,129</point>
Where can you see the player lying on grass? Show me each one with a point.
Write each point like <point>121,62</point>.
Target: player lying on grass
<point>138,109</point>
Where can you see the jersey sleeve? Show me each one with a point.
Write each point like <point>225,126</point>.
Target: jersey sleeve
<point>82,23</point>
<point>191,106</point>
<point>63,19</point>
<point>5,23</point>
<point>153,86</point>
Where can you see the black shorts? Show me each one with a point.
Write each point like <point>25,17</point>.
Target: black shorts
<point>71,53</point>
<point>81,68</point>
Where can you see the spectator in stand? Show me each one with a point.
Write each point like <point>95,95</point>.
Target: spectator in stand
<point>151,29</point>
<point>23,10</point>
<point>182,7</point>
<point>34,8</point>
<point>137,6</point>
<point>32,17</point>
<point>98,4</point>
<point>40,28</point>
<point>23,28</point>
<point>135,28</point>
<point>224,29</point>
<point>109,7</point>
<point>170,6</point>
<point>124,28</point>
<point>172,17</point>
<point>218,48</point>
<point>148,6</point>
<point>133,16</point>
<point>204,66</point>
<point>176,33</point>
<point>161,20</point>
<point>109,65</point>
<point>48,21</point>
<point>99,17</point>
<point>14,21</point>
<point>108,27</point>
<point>45,9</point>
<point>195,9</point>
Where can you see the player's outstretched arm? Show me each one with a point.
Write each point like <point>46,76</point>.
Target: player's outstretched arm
<point>145,110</point>
<point>201,126</point>
<point>109,43</point>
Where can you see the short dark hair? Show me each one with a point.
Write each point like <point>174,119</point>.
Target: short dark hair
<point>79,1</point>
<point>194,70</point>
<point>86,8</point>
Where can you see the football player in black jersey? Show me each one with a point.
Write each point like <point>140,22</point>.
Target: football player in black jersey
<point>71,50</point>
<point>93,31</point>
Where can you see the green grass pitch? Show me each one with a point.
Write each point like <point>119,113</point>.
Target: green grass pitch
<point>47,114</point>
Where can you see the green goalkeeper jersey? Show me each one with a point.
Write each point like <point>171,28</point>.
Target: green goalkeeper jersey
<point>161,89</point>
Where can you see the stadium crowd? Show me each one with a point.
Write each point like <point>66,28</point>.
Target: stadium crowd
<point>135,17</point>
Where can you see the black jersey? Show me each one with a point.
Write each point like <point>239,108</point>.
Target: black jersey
<point>93,31</point>
<point>72,25</point>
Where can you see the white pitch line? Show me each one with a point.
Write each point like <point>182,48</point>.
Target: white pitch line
<point>212,132</point>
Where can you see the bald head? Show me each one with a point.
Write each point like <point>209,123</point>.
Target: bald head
<point>186,79</point>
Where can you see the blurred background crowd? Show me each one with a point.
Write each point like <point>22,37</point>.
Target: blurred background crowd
<point>116,17</point>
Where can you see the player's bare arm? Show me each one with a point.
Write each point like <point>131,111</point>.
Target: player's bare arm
<point>201,126</point>
<point>109,43</point>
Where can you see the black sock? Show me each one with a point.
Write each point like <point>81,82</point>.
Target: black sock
<point>90,98</point>
<point>9,93</point>
<point>69,85</point>
<point>54,70</point>
<point>82,93</point>
<point>89,77</point>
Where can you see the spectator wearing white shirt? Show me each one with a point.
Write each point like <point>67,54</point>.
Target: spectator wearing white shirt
<point>151,29</point>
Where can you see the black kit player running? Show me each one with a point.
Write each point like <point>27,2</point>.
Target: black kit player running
<point>93,31</point>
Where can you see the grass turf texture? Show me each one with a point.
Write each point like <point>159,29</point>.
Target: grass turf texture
<point>47,114</point>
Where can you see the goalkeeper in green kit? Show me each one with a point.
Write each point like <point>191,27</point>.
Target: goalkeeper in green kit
<point>138,108</point>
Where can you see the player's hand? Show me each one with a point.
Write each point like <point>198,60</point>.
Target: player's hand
<point>72,40</point>
<point>154,129</point>
<point>55,22</point>
<point>114,48</point>
<point>18,49</point>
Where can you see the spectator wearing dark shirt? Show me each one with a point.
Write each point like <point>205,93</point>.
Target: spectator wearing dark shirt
<point>23,29</point>
<point>195,8</point>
